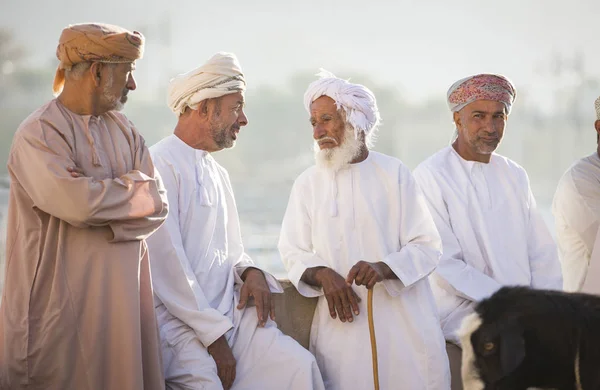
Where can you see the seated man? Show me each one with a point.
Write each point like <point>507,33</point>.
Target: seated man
<point>484,210</point>
<point>358,217</point>
<point>576,210</point>
<point>211,338</point>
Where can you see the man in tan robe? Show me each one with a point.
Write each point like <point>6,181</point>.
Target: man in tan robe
<point>77,310</point>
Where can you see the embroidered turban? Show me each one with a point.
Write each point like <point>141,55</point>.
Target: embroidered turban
<point>95,42</point>
<point>357,101</point>
<point>481,87</point>
<point>220,75</point>
<point>597,107</point>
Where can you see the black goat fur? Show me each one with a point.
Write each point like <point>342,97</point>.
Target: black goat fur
<point>530,338</point>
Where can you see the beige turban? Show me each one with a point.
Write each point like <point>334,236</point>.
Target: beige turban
<point>357,101</point>
<point>481,87</point>
<point>597,107</point>
<point>95,42</point>
<point>221,75</point>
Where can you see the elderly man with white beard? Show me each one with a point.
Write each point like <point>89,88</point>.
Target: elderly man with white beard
<point>358,218</point>
<point>203,279</point>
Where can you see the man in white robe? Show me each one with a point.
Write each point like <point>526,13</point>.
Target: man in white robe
<point>203,279</point>
<point>576,209</point>
<point>484,210</point>
<point>358,217</point>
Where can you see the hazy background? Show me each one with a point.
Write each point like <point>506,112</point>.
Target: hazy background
<point>407,52</point>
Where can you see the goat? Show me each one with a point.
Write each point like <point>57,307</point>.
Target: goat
<point>521,338</point>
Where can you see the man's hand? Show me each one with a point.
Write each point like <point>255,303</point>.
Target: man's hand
<point>223,357</point>
<point>368,274</point>
<point>339,294</point>
<point>76,172</point>
<point>255,285</point>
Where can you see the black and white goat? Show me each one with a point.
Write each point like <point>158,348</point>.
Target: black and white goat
<point>521,338</point>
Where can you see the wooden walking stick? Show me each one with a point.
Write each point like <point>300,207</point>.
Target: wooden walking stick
<point>373,342</point>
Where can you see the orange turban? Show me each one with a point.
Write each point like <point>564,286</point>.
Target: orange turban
<point>95,42</point>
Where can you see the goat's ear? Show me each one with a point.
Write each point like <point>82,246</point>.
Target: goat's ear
<point>512,348</point>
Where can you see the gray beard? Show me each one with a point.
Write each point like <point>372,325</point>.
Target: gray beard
<point>340,156</point>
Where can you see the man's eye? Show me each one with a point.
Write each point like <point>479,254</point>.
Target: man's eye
<point>488,346</point>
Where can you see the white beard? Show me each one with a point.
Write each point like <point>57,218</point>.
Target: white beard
<point>340,156</point>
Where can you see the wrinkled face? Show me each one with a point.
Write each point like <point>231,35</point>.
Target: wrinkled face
<point>480,126</point>
<point>118,81</point>
<point>227,119</point>
<point>327,122</point>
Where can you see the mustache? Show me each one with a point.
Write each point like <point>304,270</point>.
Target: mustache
<point>326,138</point>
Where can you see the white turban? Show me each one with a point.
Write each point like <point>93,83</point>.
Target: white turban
<point>357,101</point>
<point>221,75</point>
<point>597,107</point>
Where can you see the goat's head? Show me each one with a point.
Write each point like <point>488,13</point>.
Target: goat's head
<point>490,351</point>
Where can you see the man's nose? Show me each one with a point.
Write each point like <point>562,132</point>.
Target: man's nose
<point>319,132</point>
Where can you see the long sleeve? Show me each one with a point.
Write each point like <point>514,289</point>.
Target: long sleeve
<point>543,257</point>
<point>236,246</point>
<point>295,243</point>
<point>576,224</point>
<point>39,161</point>
<point>453,273</point>
<point>142,228</point>
<point>420,243</point>
<point>174,281</point>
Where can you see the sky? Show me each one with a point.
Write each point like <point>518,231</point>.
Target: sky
<point>417,47</point>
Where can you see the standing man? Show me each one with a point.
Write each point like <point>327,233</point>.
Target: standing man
<point>203,279</point>
<point>484,210</point>
<point>77,309</point>
<point>576,210</point>
<point>359,218</point>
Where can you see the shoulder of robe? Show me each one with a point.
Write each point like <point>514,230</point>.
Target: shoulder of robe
<point>393,166</point>
<point>430,168</point>
<point>168,158</point>
<point>583,178</point>
<point>512,167</point>
<point>221,169</point>
<point>585,170</point>
<point>124,123</point>
<point>45,125</point>
<point>382,158</point>
<point>305,177</point>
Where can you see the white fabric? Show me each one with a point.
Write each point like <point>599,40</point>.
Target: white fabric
<point>597,108</point>
<point>357,101</point>
<point>492,232</point>
<point>382,216</point>
<point>263,360</point>
<point>591,283</point>
<point>197,256</point>
<point>576,209</point>
<point>219,76</point>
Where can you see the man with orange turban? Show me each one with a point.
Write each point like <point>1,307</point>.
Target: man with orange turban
<point>77,309</point>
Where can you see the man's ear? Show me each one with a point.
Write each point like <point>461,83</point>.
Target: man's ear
<point>597,126</point>
<point>512,348</point>
<point>203,108</point>
<point>457,120</point>
<point>96,73</point>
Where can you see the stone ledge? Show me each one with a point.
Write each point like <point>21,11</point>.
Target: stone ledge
<point>294,313</point>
